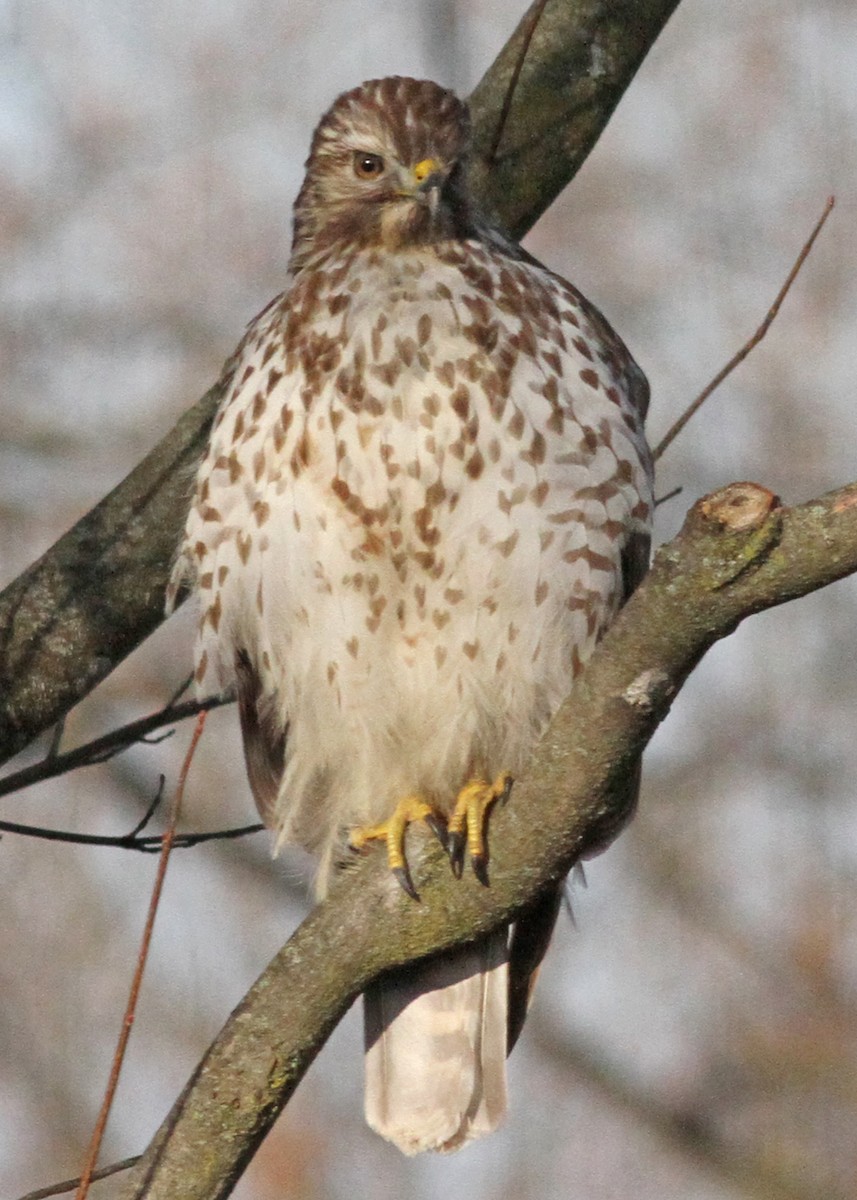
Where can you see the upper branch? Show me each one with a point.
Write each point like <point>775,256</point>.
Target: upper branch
<point>738,553</point>
<point>581,58</point>
<point>68,620</point>
<point>99,591</point>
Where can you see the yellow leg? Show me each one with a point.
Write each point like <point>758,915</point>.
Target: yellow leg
<point>392,833</point>
<point>466,826</point>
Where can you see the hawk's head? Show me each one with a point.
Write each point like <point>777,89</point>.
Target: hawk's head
<point>385,168</point>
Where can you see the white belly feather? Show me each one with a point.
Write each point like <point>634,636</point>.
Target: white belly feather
<point>413,548</point>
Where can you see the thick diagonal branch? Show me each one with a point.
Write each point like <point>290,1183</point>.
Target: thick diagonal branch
<point>738,553</point>
<point>68,620</point>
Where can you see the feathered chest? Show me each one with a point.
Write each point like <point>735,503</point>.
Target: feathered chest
<point>369,374</point>
<point>422,421</point>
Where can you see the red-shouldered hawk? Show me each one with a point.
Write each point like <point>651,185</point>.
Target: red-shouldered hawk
<point>425,495</point>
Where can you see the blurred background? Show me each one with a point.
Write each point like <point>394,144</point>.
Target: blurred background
<point>695,1031</point>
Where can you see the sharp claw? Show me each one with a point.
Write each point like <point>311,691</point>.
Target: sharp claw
<point>507,790</point>
<point>438,828</point>
<point>405,882</point>
<point>480,868</point>
<point>455,843</point>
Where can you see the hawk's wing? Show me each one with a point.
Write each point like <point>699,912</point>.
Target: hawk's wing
<point>263,737</point>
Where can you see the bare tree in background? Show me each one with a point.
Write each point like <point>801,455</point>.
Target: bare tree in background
<point>715,1100</point>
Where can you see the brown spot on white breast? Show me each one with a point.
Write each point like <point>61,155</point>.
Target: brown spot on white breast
<point>508,544</point>
<point>536,453</point>
<point>475,465</point>
<point>516,423</point>
<point>446,373</point>
<point>597,562</point>
<point>245,545</point>
<point>213,613</point>
<point>303,454</point>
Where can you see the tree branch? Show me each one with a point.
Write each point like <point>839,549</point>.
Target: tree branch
<point>145,844</point>
<point>582,56</point>
<point>76,613</point>
<point>103,748</point>
<point>99,591</point>
<point>738,553</point>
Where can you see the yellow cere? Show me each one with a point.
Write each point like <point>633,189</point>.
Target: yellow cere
<point>425,168</point>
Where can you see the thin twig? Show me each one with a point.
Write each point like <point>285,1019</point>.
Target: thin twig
<point>152,809</point>
<point>180,691</point>
<point>110,744</point>
<point>56,739</point>
<point>131,1008</point>
<point>692,408</point>
<point>535,17</point>
<point>676,491</point>
<point>128,841</point>
<point>68,1185</point>
<point>149,844</point>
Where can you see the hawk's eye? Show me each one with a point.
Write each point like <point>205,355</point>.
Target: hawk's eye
<point>367,166</point>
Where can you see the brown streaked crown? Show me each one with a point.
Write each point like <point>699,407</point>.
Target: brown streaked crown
<point>402,122</point>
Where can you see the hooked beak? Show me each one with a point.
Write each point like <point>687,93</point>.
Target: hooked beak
<point>424,183</point>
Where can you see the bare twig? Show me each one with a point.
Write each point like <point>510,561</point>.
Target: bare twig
<point>110,744</point>
<point>56,739</point>
<point>180,691</point>
<point>128,841</point>
<point>676,491</point>
<point>152,809</point>
<point>535,15</point>
<point>68,1185</point>
<point>131,1008</point>
<point>752,342</point>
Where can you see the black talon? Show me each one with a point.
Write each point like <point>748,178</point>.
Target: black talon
<point>480,868</point>
<point>455,843</point>
<point>507,790</point>
<point>438,828</point>
<point>403,876</point>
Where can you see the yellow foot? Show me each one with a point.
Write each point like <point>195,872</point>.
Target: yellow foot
<point>466,826</point>
<point>392,833</point>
